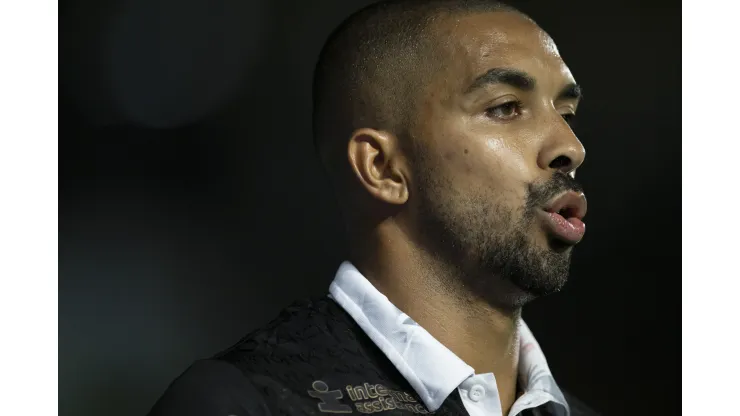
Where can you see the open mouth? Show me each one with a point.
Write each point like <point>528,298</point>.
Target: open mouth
<point>568,205</point>
<point>564,217</point>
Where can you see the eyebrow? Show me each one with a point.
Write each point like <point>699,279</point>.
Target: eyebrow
<point>520,80</point>
<point>571,91</point>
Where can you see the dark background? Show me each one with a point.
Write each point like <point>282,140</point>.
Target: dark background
<point>192,209</point>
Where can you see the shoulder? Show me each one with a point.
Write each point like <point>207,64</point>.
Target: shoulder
<point>237,381</point>
<point>210,387</point>
<point>304,325</point>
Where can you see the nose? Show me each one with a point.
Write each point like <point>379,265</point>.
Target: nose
<point>561,151</point>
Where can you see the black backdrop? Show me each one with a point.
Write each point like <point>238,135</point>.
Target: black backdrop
<point>192,209</point>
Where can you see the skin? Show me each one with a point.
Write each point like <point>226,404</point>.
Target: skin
<point>440,217</point>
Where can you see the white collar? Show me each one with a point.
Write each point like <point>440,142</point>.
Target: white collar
<point>431,368</point>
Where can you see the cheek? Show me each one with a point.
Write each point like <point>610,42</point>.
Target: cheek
<point>496,164</point>
<point>490,167</point>
<point>504,159</point>
<point>476,158</point>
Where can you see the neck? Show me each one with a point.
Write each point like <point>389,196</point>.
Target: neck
<point>428,290</point>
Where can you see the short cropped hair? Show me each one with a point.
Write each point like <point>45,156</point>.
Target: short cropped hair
<point>370,67</point>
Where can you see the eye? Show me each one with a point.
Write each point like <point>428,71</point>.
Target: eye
<point>506,111</point>
<point>568,118</point>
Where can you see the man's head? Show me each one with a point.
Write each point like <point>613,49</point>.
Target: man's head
<point>451,117</point>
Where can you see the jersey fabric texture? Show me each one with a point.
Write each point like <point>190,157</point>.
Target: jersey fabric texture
<point>313,359</point>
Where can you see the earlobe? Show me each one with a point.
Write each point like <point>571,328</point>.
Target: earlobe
<point>376,161</point>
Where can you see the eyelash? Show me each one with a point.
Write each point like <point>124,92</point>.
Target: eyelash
<point>518,106</point>
<point>568,118</point>
<point>516,103</point>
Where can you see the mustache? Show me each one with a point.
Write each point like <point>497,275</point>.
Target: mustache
<point>540,194</point>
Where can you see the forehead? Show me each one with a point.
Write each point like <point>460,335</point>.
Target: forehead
<point>475,43</point>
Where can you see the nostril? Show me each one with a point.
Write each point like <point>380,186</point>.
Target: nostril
<point>560,162</point>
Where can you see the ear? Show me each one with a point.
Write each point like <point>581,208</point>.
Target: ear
<point>378,163</point>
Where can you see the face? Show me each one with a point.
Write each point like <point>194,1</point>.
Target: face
<point>494,158</point>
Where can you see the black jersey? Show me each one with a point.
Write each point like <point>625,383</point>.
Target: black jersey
<point>313,359</point>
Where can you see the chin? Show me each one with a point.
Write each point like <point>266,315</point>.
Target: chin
<point>542,272</point>
<point>549,243</point>
<point>559,246</point>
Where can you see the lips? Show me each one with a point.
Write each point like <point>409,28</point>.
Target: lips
<point>563,217</point>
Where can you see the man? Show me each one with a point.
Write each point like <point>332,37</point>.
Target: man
<point>443,126</point>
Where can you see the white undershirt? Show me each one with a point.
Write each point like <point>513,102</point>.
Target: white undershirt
<point>431,368</point>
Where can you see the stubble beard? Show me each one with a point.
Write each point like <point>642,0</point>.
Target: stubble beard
<point>488,247</point>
